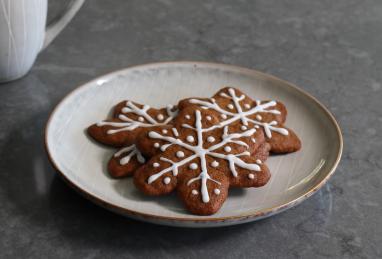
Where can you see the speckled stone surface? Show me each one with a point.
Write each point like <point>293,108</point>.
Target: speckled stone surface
<point>332,49</point>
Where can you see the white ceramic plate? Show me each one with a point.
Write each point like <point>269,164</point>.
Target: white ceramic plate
<point>295,176</point>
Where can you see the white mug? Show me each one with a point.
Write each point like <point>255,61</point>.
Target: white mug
<point>23,34</point>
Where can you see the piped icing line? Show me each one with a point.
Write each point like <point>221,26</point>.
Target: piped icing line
<point>269,127</point>
<point>127,153</point>
<point>175,131</point>
<point>199,151</point>
<point>128,124</point>
<point>242,115</point>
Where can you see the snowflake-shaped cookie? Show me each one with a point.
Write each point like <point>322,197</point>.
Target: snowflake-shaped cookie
<point>232,105</point>
<point>128,121</point>
<point>201,161</point>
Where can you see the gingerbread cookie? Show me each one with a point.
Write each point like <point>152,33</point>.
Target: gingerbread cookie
<point>232,105</point>
<point>201,159</point>
<point>128,121</point>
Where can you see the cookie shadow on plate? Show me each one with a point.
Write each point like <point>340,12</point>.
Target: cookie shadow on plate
<point>236,192</point>
<point>126,188</point>
<point>108,153</point>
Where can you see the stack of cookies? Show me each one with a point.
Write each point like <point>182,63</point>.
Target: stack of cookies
<point>200,148</point>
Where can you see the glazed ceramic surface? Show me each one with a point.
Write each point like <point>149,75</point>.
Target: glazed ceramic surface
<point>295,176</point>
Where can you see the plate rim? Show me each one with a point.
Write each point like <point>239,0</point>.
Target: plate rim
<point>167,219</point>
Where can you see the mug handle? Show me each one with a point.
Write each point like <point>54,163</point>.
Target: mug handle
<point>59,23</point>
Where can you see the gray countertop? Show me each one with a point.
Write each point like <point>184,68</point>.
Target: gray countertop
<point>332,49</point>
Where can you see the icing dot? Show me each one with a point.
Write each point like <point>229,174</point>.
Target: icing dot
<point>259,161</point>
<point>187,117</point>
<point>193,166</point>
<point>247,106</point>
<point>209,118</point>
<point>230,106</point>
<point>180,154</point>
<point>167,180</point>
<point>164,131</point>
<point>227,149</point>
<point>215,164</point>
<point>251,176</point>
<point>258,117</point>
<point>160,117</point>
<point>253,140</point>
<point>141,119</point>
<point>194,192</point>
<point>156,165</point>
<point>210,139</point>
<point>156,145</point>
<point>217,191</point>
<point>257,126</point>
<point>223,116</point>
<point>190,138</point>
<point>244,127</point>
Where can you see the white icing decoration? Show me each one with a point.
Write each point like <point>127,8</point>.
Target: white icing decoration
<point>247,106</point>
<point>258,117</point>
<point>190,139</point>
<point>209,118</point>
<point>194,192</point>
<point>144,119</point>
<point>166,180</point>
<point>180,154</point>
<point>259,161</point>
<point>160,117</point>
<point>201,153</point>
<point>193,166</point>
<point>128,153</point>
<point>244,116</point>
<point>187,117</point>
<point>156,145</point>
<point>230,106</point>
<point>210,139</point>
<point>227,149</point>
<point>156,165</point>
<point>217,191</point>
<point>243,127</point>
<point>253,140</point>
<point>175,131</point>
<point>215,163</point>
<point>251,176</point>
<point>164,131</point>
